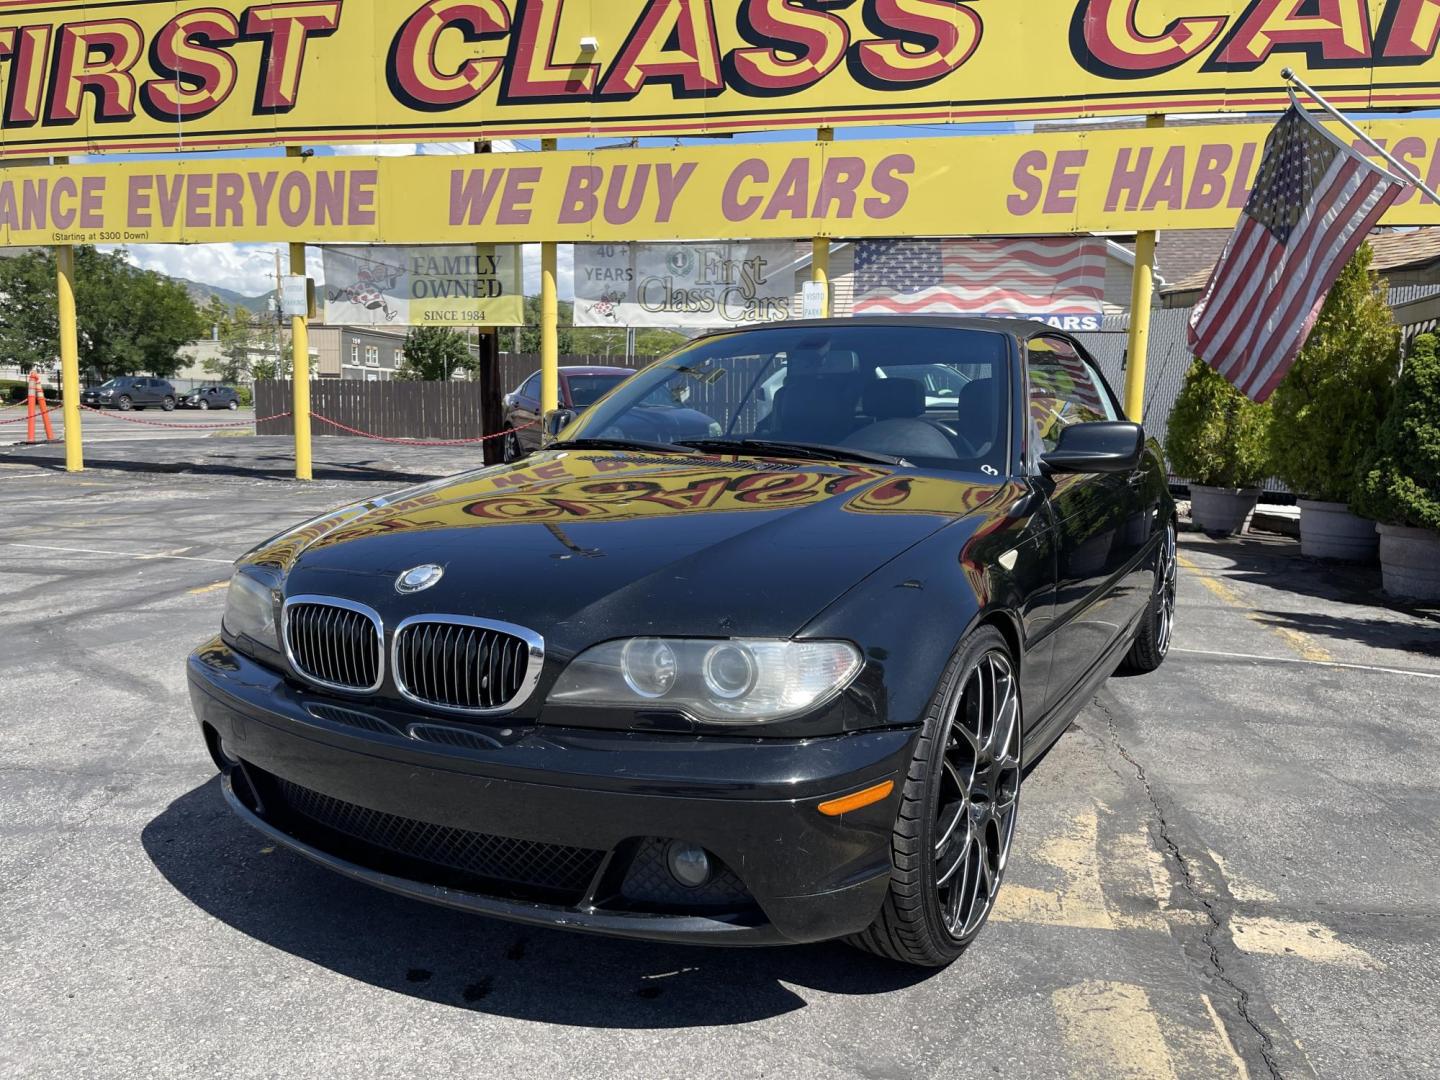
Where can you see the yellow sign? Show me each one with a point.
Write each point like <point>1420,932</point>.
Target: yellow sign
<point>1099,181</point>
<point>87,75</point>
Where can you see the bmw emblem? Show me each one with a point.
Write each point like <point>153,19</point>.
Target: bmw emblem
<point>419,578</point>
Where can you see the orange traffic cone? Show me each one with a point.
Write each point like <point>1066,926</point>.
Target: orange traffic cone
<point>37,404</point>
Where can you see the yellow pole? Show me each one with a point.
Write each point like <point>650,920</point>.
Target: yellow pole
<point>300,364</point>
<point>69,356</point>
<point>1142,286</point>
<point>820,247</point>
<point>549,320</point>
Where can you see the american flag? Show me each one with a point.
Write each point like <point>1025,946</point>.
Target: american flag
<point>1004,276</point>
<point>1315,199</point>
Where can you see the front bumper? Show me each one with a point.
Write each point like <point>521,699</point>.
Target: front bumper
<point>363,790</point>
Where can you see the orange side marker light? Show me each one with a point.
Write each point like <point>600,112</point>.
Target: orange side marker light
<point>846,803</point>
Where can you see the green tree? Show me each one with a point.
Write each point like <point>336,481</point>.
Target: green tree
<point>268,367</point>
<point>1217,436</point>
<point>129,320</point>
<point>234,331</point>
<point>1328,410</point>
<point>434,353</point>
<point>1400,481</point>
<point>587,340</point>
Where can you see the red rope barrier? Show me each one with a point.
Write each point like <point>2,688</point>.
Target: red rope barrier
<point>420,442</point>
<point>183,427</point>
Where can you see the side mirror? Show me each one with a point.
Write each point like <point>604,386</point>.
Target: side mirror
<point>1111,446</point>
<point>557,421</point>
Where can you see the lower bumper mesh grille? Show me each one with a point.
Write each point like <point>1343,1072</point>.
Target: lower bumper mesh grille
<point>532,870</point>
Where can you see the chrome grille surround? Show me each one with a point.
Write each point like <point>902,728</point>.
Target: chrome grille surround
<point>432,657</point>
<point>317,652</point>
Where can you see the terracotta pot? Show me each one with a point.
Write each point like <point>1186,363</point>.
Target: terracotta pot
<point>1410,562</point>
<point>1222,511</point>
<point>1328,530</point>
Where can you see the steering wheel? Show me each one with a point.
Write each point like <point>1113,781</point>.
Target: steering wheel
<point>955,435</point>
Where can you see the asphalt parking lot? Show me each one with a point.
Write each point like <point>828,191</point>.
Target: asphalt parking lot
<point>113,426</point>
<point>1225,869</point>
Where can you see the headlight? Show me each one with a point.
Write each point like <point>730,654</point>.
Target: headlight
<point>736,681</point>
<point>250,612</point>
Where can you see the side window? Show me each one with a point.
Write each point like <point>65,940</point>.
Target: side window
<point>1064,390</point>
<point>530,388</point>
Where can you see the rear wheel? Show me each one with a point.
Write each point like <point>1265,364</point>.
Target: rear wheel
<point>1157,625</point>
<point>957,812</point>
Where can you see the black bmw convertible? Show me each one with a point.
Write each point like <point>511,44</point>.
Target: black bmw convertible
<point>778,679</point>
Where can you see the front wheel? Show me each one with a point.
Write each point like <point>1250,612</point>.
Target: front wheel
<point>957,811</point>
<point>234,405</point>
<point>1157,625</point>
<point>510,447</point>
<point>125,403</point>
<point>168,404</point>
<point>204,405</point>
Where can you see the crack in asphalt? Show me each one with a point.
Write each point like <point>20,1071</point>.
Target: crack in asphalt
<point>1215,916</point>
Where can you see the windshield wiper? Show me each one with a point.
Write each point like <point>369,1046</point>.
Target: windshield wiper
<point>806,451</point>
<point>625,444</point>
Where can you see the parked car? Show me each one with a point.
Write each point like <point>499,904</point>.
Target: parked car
<point>131,392</point>
<point>779,684</point>
<point>212,397</point>
<point>663,418</point>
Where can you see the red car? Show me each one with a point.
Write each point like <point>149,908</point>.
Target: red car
<point>580,387</point>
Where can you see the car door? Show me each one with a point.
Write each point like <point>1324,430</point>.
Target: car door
<point>525,410</point>
<point>1098,543</point>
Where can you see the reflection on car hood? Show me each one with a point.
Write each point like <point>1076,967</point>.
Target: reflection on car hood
<point>584,545</point>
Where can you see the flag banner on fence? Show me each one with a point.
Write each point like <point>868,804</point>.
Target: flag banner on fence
<point>694,286</point>
<point>460,285</point>
<point>1314,201</point>
<point>1058,280</point>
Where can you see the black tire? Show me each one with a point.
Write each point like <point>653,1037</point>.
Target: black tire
<point>916,924</point>
<point>125,404</point>
<point>203,406</point>
<point>510,447</point>
<point>1157,625</point>
<point>168,404</point>
<point>234,405</point>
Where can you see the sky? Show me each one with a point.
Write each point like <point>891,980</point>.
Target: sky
<point>249,269</point>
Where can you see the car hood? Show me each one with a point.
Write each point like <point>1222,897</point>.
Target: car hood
<point>582,546</point>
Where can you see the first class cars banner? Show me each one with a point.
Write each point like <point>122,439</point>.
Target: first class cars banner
<point>1065,182</point>
<point>86,75</point>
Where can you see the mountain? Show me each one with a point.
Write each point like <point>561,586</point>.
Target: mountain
<point>201,294</point>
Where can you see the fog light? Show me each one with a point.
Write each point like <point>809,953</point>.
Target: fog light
<point>688,863</point>
<point>227,759</point>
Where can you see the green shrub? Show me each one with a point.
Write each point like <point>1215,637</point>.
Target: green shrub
<point>246,395</point>
<point>1328,411</point>
<point>1217,436</point>
<point>1400,483</point>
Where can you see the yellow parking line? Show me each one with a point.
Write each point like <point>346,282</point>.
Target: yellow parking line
<point>203,589</point>
<point>1111,1031</point>
<point>1303,644</point>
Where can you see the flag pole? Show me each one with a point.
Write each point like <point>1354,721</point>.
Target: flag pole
<point>1295,81</point>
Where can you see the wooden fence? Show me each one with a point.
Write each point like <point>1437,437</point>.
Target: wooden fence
<point>401,409</point>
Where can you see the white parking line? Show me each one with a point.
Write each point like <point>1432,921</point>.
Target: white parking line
<point>118,554</point>
<point>1311,663</point>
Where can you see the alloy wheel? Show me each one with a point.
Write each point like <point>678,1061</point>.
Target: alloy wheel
<point>125,403</point>
<point>204,405</point>
<point>979,794</point>
<point>512,448</point>
<point>1167,574</point>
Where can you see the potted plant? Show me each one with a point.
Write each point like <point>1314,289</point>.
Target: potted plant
<point>1217,439</point>
<point>1329,408</point>
<point>1399,485</point>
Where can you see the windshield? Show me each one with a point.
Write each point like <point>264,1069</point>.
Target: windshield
<point>934,396</point>
<point>111,384</point>
<point>585,390</point>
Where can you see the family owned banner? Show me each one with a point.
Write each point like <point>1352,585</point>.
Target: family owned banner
<point>685,285</point>
<point>457,285</point>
